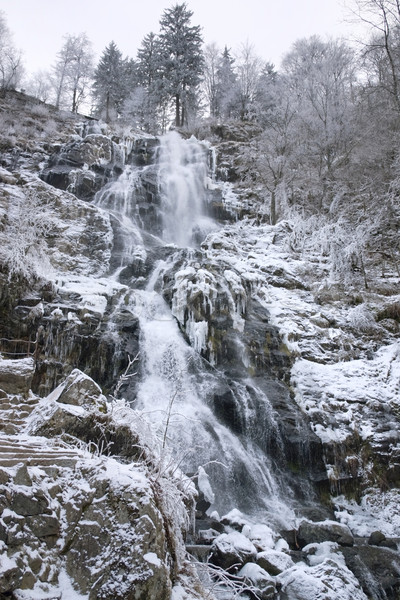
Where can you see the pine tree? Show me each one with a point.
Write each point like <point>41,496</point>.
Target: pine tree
<point>182,58</point>
<point>149,99</point>
<point>226,87</point>
<point>110,82</point>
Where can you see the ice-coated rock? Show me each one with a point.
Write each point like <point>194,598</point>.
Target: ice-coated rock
<point>231,550</point>
<point>257,577</point>
<point>329,580</point>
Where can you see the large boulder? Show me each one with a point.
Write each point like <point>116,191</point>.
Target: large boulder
<point>330,579</point>
<point>80,390</point>
<point>324,531</point>
<point>232,550</point>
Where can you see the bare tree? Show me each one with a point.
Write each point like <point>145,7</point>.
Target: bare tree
<point>321,76</point>
<point>11,68</point>
<point>383,16</point>
<point>248,68</point>
<point>40,85</point>
<point>73,71</point>
<point>212,56</point>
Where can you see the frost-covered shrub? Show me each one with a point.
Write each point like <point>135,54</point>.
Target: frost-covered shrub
<point>24,247</point>
<point>40,110</point>
<point>362,319</point>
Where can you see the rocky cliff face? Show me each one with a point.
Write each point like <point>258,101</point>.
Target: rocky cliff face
<point>249,353</point>
<point>85,504</point>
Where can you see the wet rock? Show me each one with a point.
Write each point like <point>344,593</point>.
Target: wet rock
<point>376,538</point>
<point>84,166</point>
<point>324,531</point>
<point>376,568</point>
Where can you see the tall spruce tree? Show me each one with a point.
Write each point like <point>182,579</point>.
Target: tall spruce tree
<point>181,45</point>
<point>110,82</point>
<point>151,90</point>
<point>226,85</point>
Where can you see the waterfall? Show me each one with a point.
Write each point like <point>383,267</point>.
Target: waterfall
<point>183,172</point>
<point>179,392</point>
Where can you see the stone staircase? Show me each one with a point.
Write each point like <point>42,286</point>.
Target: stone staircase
<point>17,447</point>
<point>13,412</point>
<point>36,452</point>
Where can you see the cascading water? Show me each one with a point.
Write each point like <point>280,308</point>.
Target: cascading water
<point>178,389</point>
<point>183,186</point>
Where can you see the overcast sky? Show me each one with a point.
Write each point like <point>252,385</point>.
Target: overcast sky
<point>271,26</point>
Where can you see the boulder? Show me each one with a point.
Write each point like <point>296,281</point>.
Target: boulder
<point>324,531</point>
<point>16,375</point>
<point>79,389</point>
<point>274,562</point>
<point>377,569</point>
<point>254,575</point>
<point>232,550</point>
<point>329,579</point>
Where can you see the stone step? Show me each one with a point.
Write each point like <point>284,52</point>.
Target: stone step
<point>11,421</point>
<point>39,461</point>
<point>17,401</point>
<point>28,452</point>
<point>9,428</point>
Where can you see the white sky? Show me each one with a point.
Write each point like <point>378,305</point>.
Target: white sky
<point>271,26</point>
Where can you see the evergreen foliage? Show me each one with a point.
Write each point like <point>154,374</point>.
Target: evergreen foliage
<point>181,47</point>
<point>110,85</point>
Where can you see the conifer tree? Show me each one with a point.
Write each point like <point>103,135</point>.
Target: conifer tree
<point>182,58</point>
<point>150,87</point>
<point>226,86</point>
<point>110,82</point>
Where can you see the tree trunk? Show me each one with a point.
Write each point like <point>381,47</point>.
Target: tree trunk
<point>177,111</point>
<point>273,208</point>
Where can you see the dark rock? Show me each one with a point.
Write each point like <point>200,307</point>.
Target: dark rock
<point>376,538</point>
<point>376,568</point>
<point>324,531</point>
<point>26,505</point>
<point>43,525</point>
<point>3,532</point>
<point>22,476</point>
<point>4,477</point>
<point>80,390</point>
